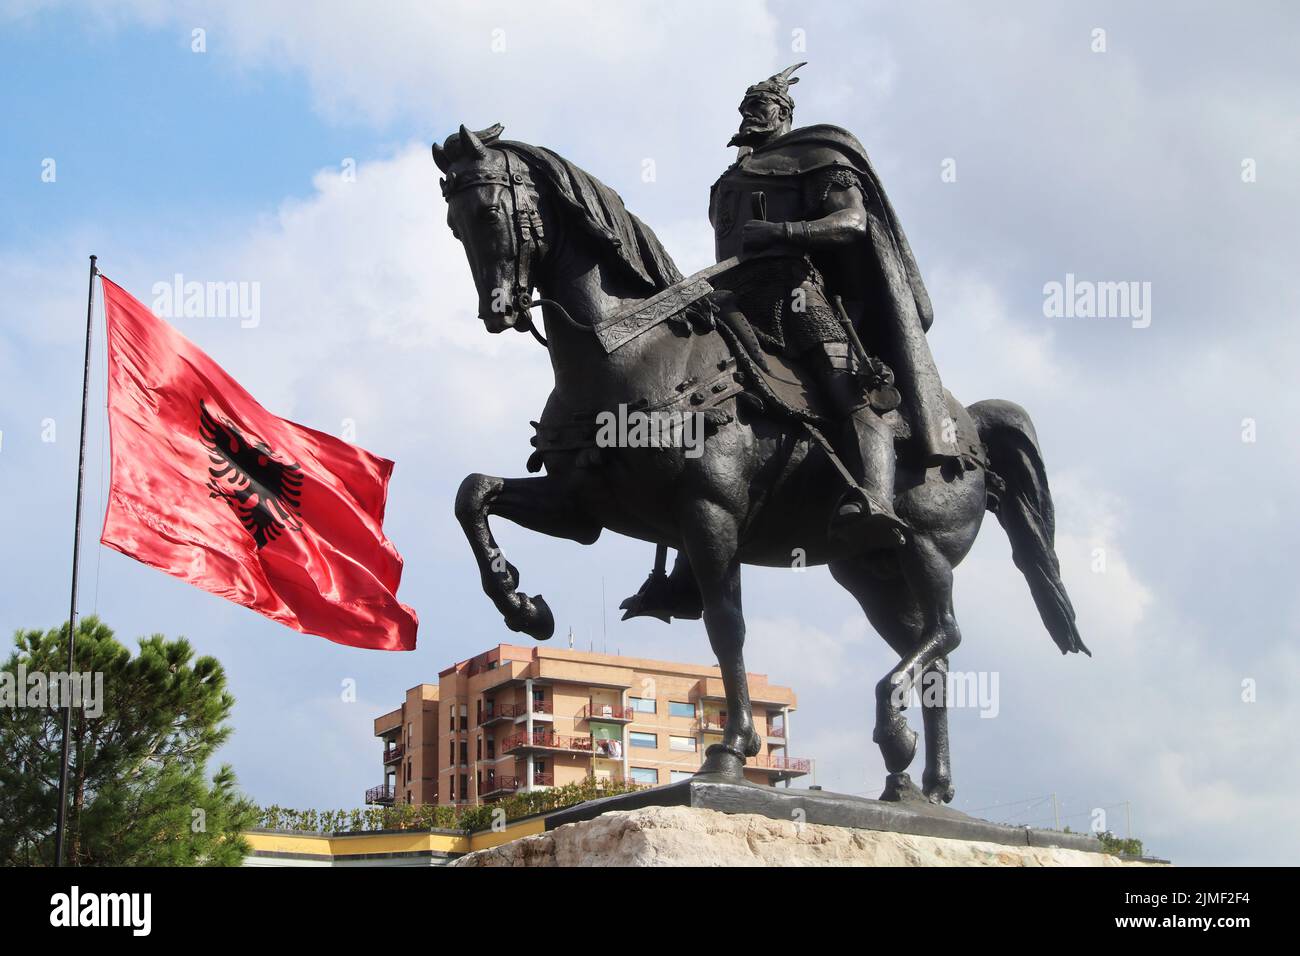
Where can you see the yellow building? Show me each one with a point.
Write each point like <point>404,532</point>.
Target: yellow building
<point>521,718</point>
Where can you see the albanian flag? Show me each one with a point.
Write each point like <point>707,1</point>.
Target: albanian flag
<point>213,489</point>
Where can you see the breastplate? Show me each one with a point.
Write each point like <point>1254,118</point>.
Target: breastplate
<point>733,205</point>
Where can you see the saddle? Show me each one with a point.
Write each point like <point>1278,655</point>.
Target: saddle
<point>785,387</point>
<point>771,382</point>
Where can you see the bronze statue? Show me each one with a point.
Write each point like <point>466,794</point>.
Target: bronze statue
<point>812,324</point>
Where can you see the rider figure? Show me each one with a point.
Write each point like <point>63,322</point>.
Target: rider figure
<point>805,211</point>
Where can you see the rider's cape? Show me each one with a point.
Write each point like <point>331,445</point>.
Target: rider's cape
<point>881,271</point>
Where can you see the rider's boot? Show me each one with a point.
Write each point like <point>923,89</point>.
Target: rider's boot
<point>667,595</point>
<point>864,515</point>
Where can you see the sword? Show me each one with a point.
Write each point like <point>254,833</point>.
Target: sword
<point>626,324</point>
<point>623,326</point>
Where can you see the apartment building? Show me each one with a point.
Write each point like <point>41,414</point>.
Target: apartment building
<point>521,718</point>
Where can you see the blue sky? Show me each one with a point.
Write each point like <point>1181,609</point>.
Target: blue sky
<point>1115,166</point>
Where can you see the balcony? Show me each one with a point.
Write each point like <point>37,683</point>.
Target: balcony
<point>712,723</point>
<point>780,766</point>
<point>381,795</point>
<point>498,785</point>
<point>502,784</point>
<point>542,710</point>
<point>613,713</point>
<point>547,740</point>
<point>393,754</point>
<point>501,714</point>
<point>777,732</point>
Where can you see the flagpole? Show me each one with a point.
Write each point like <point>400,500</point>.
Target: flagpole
<point>76,551</point>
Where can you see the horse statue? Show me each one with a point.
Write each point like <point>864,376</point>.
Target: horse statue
<point>755,491</point>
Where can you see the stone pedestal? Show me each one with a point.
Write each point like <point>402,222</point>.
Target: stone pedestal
<point>693,836</point>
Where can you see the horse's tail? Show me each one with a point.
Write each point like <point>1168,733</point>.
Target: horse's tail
<point>1019,496</point>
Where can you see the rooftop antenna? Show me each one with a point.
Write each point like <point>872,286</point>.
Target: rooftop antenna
<point>604,622</point>
<point>570,638</point>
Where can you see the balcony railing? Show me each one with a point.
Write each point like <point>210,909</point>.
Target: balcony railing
<point>503,712</point>
<point>791,765</point>
<point>499,784</point>
<point>712,723</point>
<point>513,711</point>
<point>777,731</point>
<point>602,711</point>
<point>382,795</point>
<point>393,754</point>
<point>509,784</point>
<point>546,740</point>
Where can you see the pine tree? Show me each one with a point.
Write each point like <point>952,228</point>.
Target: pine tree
<point>139,794</point>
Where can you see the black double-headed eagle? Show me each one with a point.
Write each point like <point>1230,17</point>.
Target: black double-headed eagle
<point>264,491</point>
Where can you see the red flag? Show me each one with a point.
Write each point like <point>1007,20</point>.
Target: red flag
<point>213,489</point>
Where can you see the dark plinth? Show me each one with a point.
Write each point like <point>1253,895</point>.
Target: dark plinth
<point>915,816</point>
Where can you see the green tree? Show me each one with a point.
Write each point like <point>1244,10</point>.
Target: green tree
<point>139,794</point>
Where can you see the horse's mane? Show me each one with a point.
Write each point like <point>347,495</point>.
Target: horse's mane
<point>632,244</point>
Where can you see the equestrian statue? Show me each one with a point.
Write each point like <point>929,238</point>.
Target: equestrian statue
<point>828,435</point>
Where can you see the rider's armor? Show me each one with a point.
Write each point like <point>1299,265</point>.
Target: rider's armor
<point>784,296</point>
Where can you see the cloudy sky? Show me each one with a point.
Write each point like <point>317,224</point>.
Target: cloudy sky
<point>1019,145</point>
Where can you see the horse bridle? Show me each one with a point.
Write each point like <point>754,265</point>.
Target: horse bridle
<point>526,222</point>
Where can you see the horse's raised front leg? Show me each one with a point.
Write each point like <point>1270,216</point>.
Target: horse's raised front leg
<point>711,537</point>
<point>540,504</point>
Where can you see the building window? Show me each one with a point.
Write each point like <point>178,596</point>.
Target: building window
<point>464,753</point>
<point>410,732</point>
<point>686,744</point>
<point>642,705</point>
<point>677,708</point>
<point>645,775</point>
<point>478,749</point>
<point>492,748</point>
<point>408,769</point>
<point>677,776</point>
<point>539,696</point>
<point>464,786</point>
<point>638,739</point>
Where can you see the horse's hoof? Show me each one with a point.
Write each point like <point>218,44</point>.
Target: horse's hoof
<point>720,761</point>
<point>900,789</point>
<point>533,618</point>
<point>897,743</point>
<point>937,791</point>
<point>753,743</point>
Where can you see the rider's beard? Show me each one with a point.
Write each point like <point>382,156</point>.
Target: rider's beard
<point>755,132</point>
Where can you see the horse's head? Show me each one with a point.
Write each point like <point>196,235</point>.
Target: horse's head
<point>492,208</point>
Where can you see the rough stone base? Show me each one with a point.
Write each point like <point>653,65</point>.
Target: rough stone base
<point>689,836</point>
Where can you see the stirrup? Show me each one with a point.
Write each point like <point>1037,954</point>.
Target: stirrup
<point>862,521</point>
